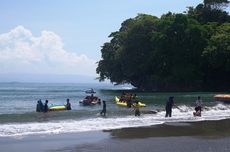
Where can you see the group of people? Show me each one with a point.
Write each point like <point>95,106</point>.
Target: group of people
<point>129,98</point>
<point>88,100</point>
<point>45,108</point>
<point>170,104</point>
<point>131,101</point>
<point>42,108</point>
<point>168,107</point>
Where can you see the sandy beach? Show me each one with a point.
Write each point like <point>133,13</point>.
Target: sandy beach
<point>208,136</point>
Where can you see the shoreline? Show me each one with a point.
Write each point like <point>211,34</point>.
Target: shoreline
<point>49,142</point>
<point>208,128</point>
<point>209,136</point>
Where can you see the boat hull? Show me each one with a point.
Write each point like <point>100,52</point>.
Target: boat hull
<point>124,104</point>
<point>222,98</point>
<point>53,107</point>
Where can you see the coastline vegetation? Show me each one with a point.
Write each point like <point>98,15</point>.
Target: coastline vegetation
<point>187,51</point>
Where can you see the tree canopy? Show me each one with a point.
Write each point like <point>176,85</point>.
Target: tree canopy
<point>188,51</point>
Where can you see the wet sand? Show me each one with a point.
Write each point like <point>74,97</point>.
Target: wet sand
<point>207,136</point>
<point>51,142</point>
<point>157,144</point>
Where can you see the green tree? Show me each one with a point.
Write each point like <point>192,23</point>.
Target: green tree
<point>210,11</point>
<point>217,56</point>
<point>216,4</point>
<point>127,50</point>
<point>175,52</point>
<point>180,43</point>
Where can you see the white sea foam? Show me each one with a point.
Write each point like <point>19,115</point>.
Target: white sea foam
<point>180,114</point>
<point>75,125</point>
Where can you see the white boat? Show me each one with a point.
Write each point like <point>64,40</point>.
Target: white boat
<point>90,91</point>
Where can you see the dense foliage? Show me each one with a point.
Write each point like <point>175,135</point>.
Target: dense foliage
<point>189,51</point>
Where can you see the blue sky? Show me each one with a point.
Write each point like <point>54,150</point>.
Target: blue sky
<point>83,25</point>
<point>77,28</point>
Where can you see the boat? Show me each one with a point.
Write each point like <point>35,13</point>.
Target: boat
<point>222,98</point>
<point>90,91</point>
<point>90,100</point>
<point>51,107</point>
<point>56,107</point>
<point>124,103</point>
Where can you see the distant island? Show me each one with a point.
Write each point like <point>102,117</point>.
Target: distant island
<point>187,51</point>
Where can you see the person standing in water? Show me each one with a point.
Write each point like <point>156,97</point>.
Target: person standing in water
<point>168,107</point>
<point>104,109</point>
<point>68,105</point>
<point>40,106</point>
<point>198,107</point>
<point>136,109</point>
<point>46,106</point>
<point>198,104</point>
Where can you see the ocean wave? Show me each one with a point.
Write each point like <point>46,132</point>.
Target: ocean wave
<point>181,113</point>
<point>67,126</point>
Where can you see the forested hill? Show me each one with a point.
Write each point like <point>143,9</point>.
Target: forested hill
<point>176,52</point>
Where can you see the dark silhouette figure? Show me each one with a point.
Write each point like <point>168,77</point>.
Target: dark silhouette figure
<point>103,112</point>
<point>129,103</point>
<point>168,107</point>
<point>40,106</point>
<point>137,110</point>
<point>46,106</point>
<point>68,105</point>
<point>198,104</point>
<point>198,107</point>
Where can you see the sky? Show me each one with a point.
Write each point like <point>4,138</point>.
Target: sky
<point>65,36</point>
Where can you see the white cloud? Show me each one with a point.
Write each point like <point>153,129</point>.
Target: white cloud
<point>21,52</point>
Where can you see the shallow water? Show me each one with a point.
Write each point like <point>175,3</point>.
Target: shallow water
<point>18,102</point>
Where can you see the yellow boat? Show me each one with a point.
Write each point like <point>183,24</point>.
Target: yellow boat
<point>57,107</point>
<point>124,104</point>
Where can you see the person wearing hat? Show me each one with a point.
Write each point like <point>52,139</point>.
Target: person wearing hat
<point>168,107</point>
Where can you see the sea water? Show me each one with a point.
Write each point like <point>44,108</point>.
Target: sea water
<point>19,118</point>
